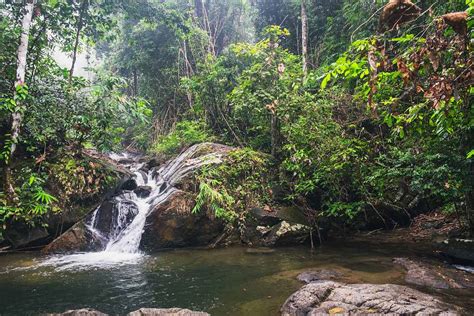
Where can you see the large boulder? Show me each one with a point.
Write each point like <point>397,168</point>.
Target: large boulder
<point>328,297</point>
<point>20,235</point>
<point>172,224</point>
<point>166,312</point>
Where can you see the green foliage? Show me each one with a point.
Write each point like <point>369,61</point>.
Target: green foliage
<point>186,133</point>
<point>219,202</point>
<point>431,173</point>
<point>231,188</point>
<point>33,200</point>
<point>269,83</point>
<point>378,114</point>
<point>319,154</point>
<point>76,178</point>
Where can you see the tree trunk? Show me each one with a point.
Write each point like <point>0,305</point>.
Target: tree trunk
<point>135,83</point>
<point>275,137</point>
<point>212,47</point>
<point>198,8</point>
<point>80,23</point>
<point>304,37</point>
<point>20,80</point>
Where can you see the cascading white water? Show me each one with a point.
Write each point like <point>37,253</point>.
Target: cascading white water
<point>161,184</point>
<point>123,240</point>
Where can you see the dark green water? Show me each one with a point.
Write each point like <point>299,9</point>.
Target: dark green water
<point>222,282</point>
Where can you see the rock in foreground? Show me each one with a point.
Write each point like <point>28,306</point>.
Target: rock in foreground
<point>328,297</point>
<point>140,312</point>
<point>166,312</point>
<point>80,312</point>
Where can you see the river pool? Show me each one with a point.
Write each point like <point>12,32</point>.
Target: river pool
<point>229,281</point>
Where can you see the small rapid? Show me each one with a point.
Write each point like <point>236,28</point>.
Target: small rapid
<point>120,226</point>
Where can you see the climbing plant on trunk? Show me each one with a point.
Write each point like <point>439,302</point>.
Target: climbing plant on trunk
<point>19,94</point>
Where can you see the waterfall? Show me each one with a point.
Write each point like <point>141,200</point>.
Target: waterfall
<point>131,210</point>
<point>118,223</point>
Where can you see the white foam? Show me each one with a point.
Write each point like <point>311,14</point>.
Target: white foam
<point>87,260</point>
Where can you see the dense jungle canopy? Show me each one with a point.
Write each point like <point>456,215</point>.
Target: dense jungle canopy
<point>357,112</point>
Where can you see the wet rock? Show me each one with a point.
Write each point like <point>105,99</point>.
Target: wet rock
<point>129,185</point>
<point>126,161</point>
<point>166,312</point>
<point>144,169</point>
<point>154,162</point>
<point>80,312</point>
<point>21,235</point>
<point>108,222</point>
<point>143,191</point>
<point>285,233</point>
<point>172,224</point>
<point>438,276</point>
<point>328,297</point>
<point>459,250</point>
<point>319,275</point>
<point>77,238</point>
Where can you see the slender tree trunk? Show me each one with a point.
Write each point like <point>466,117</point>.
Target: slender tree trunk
<point>198,8</point>
<point>80,23</point>
<point>304,37</point>
<point>189,71</point>
<point>275,136</point>
<point>135,83</point>
<point>212,47</point>
<point>20,80</point>
<point>202,13</point>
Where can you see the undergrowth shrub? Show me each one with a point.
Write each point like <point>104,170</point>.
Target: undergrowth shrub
<point>186,133</point>
<point>236,185</point>
<point>33,199</point>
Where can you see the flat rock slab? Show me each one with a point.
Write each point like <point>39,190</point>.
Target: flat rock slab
<point>328,297</point>
<point>166,312</point>
<point>319,275</point>
<point>80,312</point>
<point>438,276</point>
<point>140,312</point>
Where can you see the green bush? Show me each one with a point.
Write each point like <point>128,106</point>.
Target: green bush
<point>231,188</point>
<point>185,134</point>
<point>33,200</point>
